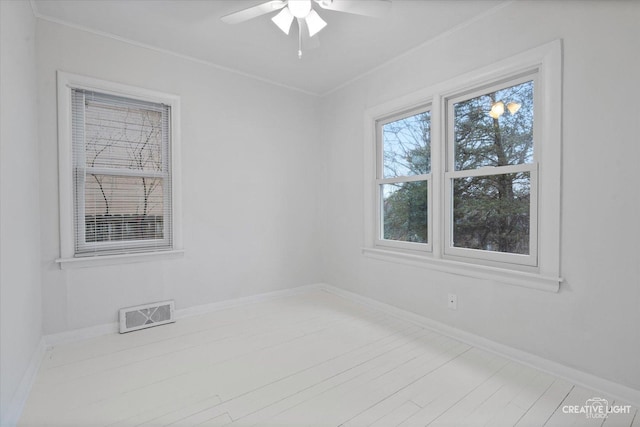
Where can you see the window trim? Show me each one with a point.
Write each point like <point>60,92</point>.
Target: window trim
<point>65,83</point>
<point>545,274</point>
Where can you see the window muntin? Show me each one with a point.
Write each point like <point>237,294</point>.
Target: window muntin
<point>122,174</point>
<point>491,183</point>
<point>404,179</point>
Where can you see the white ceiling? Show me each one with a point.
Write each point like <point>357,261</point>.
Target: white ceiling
<point>350,45</point>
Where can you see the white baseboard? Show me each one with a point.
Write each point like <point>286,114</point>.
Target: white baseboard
<point>112,328</point>
<point>221,305</point>
<point>12,416</point>
<point>80,334</point>
<point>584,379</point>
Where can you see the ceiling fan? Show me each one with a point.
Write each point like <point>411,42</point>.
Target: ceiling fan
<point>309,21</point>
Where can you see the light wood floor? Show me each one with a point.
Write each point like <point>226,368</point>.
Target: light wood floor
<point>313,359</point>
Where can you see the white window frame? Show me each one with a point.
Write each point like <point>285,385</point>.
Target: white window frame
<point>65,84</point>
<point>508,260</point>
<point>380,181</point>
<point>539,271</point>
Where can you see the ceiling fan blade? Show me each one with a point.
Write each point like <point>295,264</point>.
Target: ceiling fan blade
<point>314,23</point>
<point>253,12</point>
<point>283,20</point>
<point>373,8</point>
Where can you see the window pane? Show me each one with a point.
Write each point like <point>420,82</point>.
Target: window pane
<point>123,137</point>
<point>405,211</point>
<point>492,213</point>
<point>121,208</point>
<point>498,136</point>
<point>406,146</point>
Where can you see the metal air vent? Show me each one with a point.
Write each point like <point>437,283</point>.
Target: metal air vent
<point>146,316</point>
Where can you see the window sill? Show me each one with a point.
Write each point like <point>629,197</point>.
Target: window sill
<point>510,277</point>
<point>96,261</point>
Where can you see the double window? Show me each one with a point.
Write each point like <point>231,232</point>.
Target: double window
<point>467,179</point>
<point>117,166</point>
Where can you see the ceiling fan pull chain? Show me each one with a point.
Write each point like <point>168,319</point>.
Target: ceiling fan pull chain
<point>299,42</point>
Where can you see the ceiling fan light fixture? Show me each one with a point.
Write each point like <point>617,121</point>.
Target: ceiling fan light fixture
<point>497,109</point>
<point>299,8</point>
<point>314,23</point>
<point>283,20</point>
<point>513,107</point>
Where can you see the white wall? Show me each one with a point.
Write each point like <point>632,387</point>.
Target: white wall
<point>257,218</point>
<point>250,167</point>
<point>593,323</point>
<point>20,272</point>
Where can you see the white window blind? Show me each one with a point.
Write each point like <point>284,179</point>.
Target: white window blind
<point>122,174</point>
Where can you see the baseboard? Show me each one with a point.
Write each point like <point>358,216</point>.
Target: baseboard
<point>221,305</point>
<point>12,416</point>
<point>112,328</point>
<point>81,334</point>
<point>606,387</point>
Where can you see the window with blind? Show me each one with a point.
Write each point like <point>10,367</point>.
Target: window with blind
<point>122,178</point>
<point>117,148</point>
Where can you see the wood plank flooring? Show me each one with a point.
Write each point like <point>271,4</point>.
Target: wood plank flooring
<point>313,359</point>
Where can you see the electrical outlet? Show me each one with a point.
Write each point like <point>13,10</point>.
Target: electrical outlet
<point>452,302</point>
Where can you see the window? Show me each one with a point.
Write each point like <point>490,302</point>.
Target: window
<point>491,178</point>
<point>117,149</point>
<point>466,173</point>
<point>404,174</point>
<point>122,178</point>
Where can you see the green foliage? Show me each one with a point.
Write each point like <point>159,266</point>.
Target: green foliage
<point>405,212</point>
<point>492,213</point>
